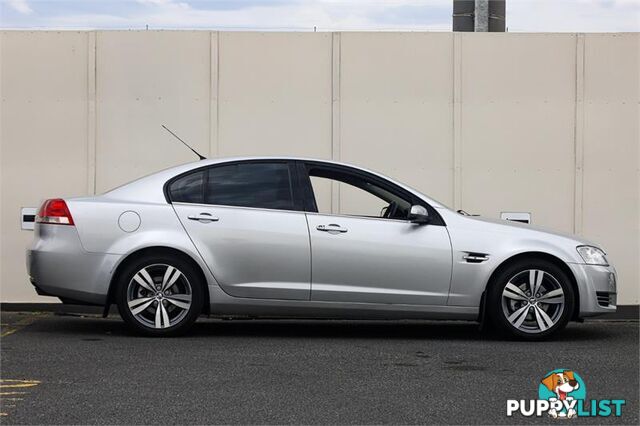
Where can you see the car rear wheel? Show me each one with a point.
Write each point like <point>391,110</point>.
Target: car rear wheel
<point>531,299</point>
<point>159,296</point>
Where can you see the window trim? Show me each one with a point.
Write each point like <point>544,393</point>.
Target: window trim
<point>224,206</point>
<point>309,198</point>
<point>297,199</point>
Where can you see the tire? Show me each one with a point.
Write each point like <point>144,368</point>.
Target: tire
<point>519,314</point>
<point>140,295</point>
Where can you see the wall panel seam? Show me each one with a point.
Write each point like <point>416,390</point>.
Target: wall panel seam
<point>336,113</point>
<point>92,74</point>
<point>578,196</point>
<point>457,121</point>
<point>214,93</point>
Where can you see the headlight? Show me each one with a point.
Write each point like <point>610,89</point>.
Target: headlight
<point>592,255</point>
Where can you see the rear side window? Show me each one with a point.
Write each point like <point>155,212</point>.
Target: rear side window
<point>188,189</point>
<point>259,185</point>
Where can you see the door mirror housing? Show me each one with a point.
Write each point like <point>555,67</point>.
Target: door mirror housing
<point>419,214</point>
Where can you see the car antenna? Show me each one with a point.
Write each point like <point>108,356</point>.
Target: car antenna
<point>185,144</point>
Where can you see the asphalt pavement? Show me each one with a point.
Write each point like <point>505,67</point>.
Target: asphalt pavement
<point>60,369</point>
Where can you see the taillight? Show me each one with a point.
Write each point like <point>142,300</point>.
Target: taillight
<point>54,211</point>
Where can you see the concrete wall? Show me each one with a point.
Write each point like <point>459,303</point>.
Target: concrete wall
<point>543,123</point>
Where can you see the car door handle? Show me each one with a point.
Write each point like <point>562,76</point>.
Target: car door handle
<point>203,217</point>
<point>332,228</point>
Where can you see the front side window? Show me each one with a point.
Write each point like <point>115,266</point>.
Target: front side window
<point>359,196</point>
<point>259,185</point>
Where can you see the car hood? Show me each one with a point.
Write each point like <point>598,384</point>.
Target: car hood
<point>506,226</point>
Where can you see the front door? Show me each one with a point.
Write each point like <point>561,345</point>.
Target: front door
<point>368,252</point>
<point>244,220</point>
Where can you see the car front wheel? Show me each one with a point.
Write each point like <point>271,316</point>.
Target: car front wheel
<point>531,299</point>
<point>159,296</point>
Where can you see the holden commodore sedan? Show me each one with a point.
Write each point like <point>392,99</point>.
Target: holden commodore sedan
<point>290,237</point>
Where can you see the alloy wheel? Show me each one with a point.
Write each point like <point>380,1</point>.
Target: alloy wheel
<point>159,296</point>
<point>533,301</point>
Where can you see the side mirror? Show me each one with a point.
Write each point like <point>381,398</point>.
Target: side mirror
<point>419,214</point>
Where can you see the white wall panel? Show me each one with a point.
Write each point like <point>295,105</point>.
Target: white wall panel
<point>43,133</point>
<point>517,119</point>
<point>611,211</point>
<point>145,79</point>
<point>275,94</point>
<point>396,94</point>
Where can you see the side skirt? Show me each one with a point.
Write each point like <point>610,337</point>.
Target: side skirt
<point>224,305</point>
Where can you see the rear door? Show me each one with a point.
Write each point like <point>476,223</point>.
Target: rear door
<point>246,221</point>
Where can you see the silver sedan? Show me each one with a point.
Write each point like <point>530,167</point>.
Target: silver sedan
<point>290,237</point>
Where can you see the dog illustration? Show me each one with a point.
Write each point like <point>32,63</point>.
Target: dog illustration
<point>562,384</point>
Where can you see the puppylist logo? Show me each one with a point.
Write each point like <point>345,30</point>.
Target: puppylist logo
<point>562,394</point>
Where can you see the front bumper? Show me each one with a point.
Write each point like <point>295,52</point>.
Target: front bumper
<point>597,286</point>
<point>59,266</point>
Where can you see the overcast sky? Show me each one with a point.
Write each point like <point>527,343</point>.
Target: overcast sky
<point>432,15</point>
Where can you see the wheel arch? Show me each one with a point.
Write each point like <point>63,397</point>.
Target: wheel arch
<point>150,251</point>
<point>531,255</point>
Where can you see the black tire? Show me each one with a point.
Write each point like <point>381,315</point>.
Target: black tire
<point>143,323</point>
<point>498,307</point>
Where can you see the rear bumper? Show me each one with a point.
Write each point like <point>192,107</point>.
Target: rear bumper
<point>59,266</point>
<point>598,288</point>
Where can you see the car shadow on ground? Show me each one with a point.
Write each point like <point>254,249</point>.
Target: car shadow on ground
<point>93,326</point>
